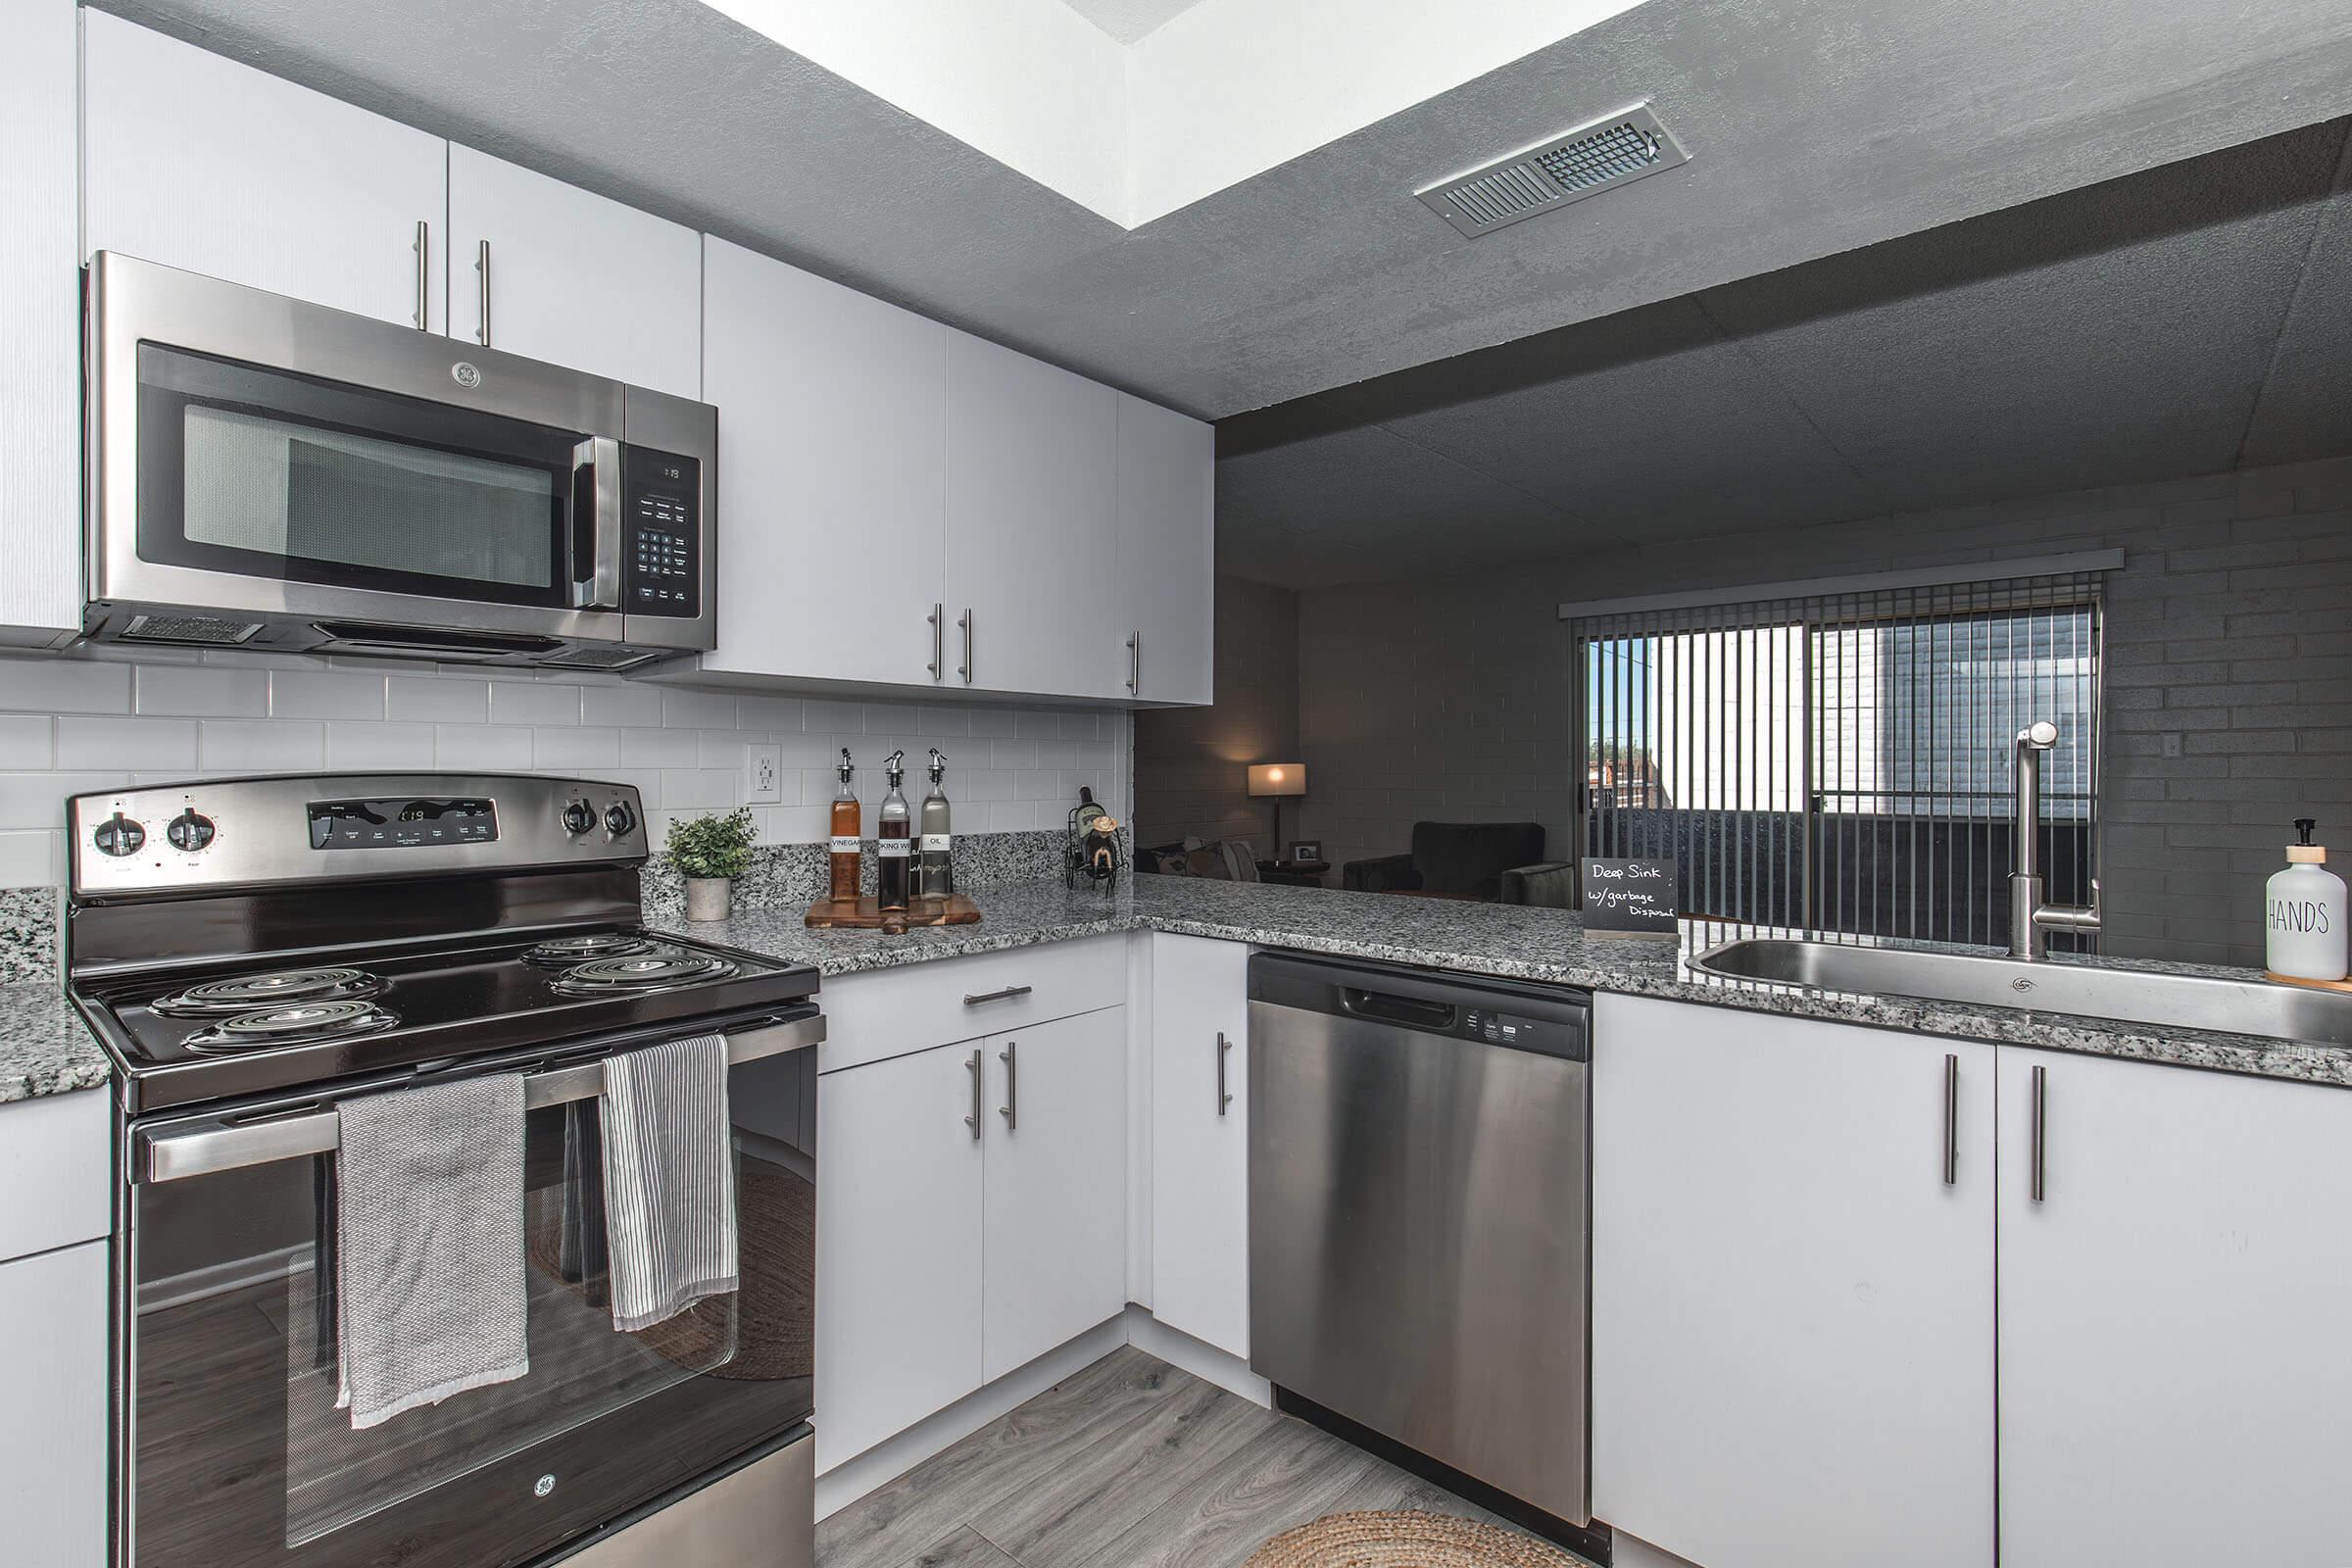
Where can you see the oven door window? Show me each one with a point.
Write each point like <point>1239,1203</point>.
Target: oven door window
<point>265,473</point>
<point>240,1455</point>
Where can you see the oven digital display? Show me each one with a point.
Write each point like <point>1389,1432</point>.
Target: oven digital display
<point>413,822</point>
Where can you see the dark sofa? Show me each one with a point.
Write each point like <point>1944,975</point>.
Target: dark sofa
<point>1501,863</point>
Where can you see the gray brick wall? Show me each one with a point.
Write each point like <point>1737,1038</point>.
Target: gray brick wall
<point>1190,763</point>
<point>2229,642</point>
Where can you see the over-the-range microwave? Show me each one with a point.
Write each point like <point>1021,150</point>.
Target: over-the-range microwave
<point>265,473</point>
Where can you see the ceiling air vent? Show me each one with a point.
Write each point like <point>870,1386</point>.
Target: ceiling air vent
<point>1581,163</point>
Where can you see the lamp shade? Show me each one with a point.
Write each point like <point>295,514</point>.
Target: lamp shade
<point>1278,778</point>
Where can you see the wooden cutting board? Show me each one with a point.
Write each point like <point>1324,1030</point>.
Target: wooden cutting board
<point>2315,984</point>
<point>865,913</point>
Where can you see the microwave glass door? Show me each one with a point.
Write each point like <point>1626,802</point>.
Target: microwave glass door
<point>265,473</point>
<point>239,1455</point>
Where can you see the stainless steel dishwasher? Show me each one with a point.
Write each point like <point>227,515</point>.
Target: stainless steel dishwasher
<point>1419,1213</point>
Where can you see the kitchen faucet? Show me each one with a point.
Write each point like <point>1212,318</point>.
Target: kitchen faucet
<point>2030,920</point>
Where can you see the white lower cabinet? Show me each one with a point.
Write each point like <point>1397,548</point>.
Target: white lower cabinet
<point>955,1242</point>
<point>1793,1309</point>
<point>1201,1138</point>
<point>2173,1308</point>
<point>1056,1235</point>
<point>53,1406</point>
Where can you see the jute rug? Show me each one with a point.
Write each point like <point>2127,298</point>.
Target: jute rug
<point>1409,1539</point>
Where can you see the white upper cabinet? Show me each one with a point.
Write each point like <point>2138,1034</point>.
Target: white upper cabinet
<point>547,269</point>
<point>832,489</point>
<point>2173,1389</point>
<point>1032,537</point>
<point>199,162</point>
<point>40,336</point>
<point>1793,1305</point>
<point>1167,551</point>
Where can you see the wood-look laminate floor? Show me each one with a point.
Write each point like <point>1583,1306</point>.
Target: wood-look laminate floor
<point>1129,1463</point>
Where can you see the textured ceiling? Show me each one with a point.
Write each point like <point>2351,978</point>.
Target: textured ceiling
<point>2179,321</point>
<point>1130,20</point>
<point>1817,126</point>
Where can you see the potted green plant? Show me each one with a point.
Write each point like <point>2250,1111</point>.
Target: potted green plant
<point>711,851</point>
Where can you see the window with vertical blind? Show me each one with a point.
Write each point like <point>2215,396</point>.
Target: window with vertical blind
<point>1840,762</point>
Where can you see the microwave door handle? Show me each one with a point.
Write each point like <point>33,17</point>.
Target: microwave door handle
<point>596,525</point>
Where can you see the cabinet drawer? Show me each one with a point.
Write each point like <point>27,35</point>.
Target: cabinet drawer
<point>889,1012</point>
<point>56,1171</point>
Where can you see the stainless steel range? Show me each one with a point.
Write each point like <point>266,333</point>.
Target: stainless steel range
<point>254,953</point>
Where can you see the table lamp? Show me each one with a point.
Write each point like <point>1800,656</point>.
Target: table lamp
<point>1277,780</point>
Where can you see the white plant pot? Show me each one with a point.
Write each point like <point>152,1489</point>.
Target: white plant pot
<point>708,898</point>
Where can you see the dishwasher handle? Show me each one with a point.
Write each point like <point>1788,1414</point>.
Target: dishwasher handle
<point>1387,1008</point>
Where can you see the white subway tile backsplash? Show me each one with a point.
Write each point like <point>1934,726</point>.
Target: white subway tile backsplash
<point>688,787</point>
<point>991,723</point>
<point>698,710</point>
<point>325,693</point>
<point>723,748</point>
<point>201,690</point>
<point>394,748</point>
<point>1036,726</point>
<point>26,741</point>
<point>627,707</point>
<point>482,747</point>
<point>260,746</point>
<point>986,784</point>
<point>29,683</point>
<point>1081,727</point>
<point>577,749</point>
<point>659,748</point>
<point>533,702</point>
<point>38,800</point>
<point>783,714</point>
<point>148,744</point>
<point>824,716</point>
<point>32,857</point>
<point>432,700</point>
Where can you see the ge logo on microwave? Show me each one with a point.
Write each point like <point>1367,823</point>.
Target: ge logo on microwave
<point>465,375</point>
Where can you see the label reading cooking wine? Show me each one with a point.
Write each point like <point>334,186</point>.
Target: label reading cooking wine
<point>936,841</point>
<point>842,844</point>
<point>895,849</point>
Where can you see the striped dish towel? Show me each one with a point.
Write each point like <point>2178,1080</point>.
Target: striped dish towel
<point>669,1179</point>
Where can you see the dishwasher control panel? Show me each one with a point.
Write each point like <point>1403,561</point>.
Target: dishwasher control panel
<point>1499,1028</point>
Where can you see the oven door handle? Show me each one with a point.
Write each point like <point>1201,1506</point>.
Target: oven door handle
<point>212,1146</point>
<point>596,525</point>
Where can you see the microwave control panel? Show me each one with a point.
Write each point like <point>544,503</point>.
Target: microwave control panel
<point>661,534</point>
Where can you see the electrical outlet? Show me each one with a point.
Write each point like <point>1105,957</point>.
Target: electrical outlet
<point>2171,742</point>
<point>762,767</point>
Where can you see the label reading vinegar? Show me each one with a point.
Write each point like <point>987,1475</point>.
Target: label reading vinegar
<point>843,845</point>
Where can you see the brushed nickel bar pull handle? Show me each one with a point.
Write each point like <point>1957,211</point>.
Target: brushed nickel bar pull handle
<point>1951,1120</point>
<point>1134,664</point>
<point>970,1000</point>
<point>424,291</point>
<point>1013,1084</point>
<point>1224,1096</point>
<point>2040,1136</point>
<point>481,265</point>
<point>966,669</point>
<point>972,1065</point>
<point>939,638</point>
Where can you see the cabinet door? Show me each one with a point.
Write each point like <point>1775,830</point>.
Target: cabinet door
<point>832,489</point>
<point>199,162</point>
<point>40,343</point>
<point>572,277</point>
<point>898,1245</point>
<point>1792,1312</point>
<point>1167,551</point>
<point>53,1405</point>
<point>1056,1184</point>
<point>2168,1391</point>
<point>1032,547</point>
<point>1201,1138</point>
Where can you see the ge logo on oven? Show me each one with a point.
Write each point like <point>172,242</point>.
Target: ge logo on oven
<point>465,375</point>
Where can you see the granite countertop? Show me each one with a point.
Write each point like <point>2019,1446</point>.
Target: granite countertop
<point>1514,943</point>
<point>45,1048</point>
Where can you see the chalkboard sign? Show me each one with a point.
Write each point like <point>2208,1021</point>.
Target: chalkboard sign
<point>1629,896</point>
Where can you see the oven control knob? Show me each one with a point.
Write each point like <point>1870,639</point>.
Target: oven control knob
<point>189,831</point>
<point>578,817</point>
<point>118,836</point>
<point>618,818</point>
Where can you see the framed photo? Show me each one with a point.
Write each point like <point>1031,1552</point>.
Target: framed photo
<point>1306,850</point>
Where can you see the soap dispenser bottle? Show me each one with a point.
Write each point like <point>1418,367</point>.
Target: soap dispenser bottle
<point>894,839</point>
<point>934,876</point>
<point>2303,912</point>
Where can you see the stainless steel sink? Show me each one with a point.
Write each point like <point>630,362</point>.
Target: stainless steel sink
<point>2133,996</point>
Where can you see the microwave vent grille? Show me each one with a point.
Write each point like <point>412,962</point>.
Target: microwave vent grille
<point>596,658</point>
<point>199,629</point>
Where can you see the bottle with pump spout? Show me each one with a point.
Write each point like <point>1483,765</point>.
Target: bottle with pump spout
<point>2303,912</point>
<point>847,846</point>
<point>894,825</point>
<point>935,872</point>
